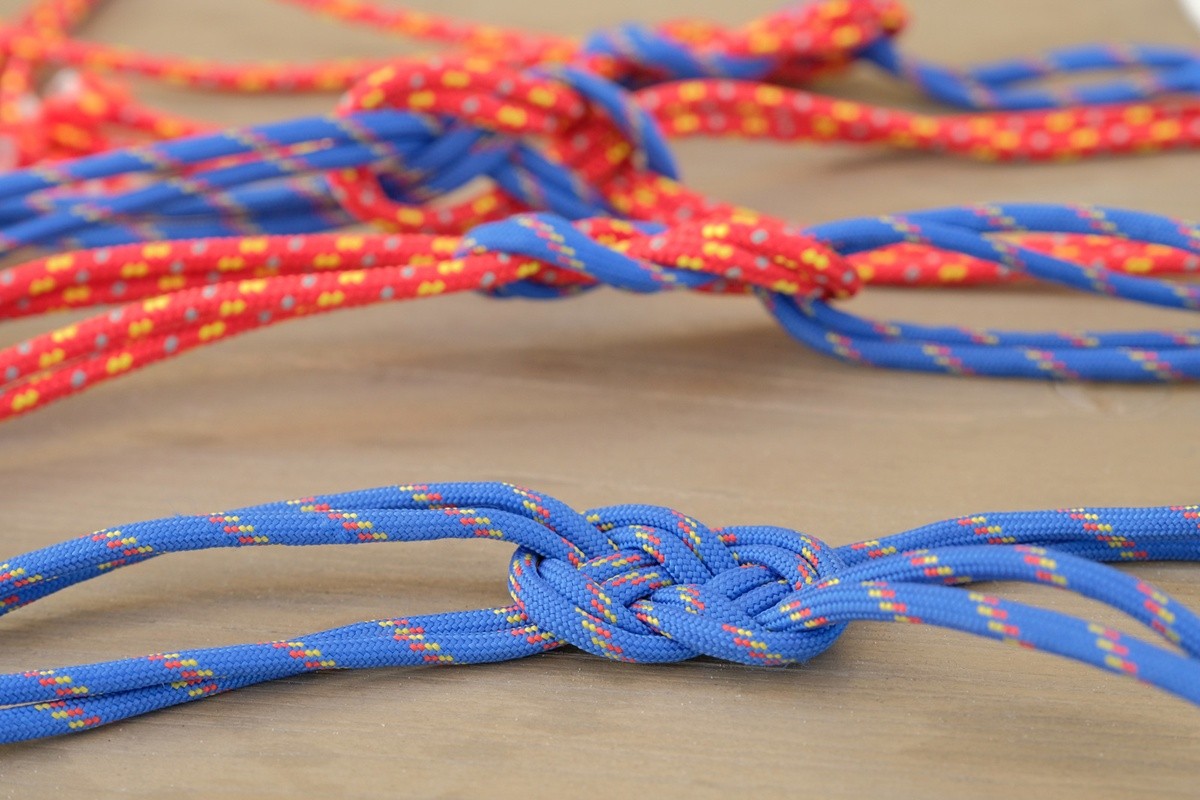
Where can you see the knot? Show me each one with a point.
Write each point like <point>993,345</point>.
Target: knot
<point>476,118</point>
<point>790,46</point>
<point>668,588</point>
<point>741,253</point>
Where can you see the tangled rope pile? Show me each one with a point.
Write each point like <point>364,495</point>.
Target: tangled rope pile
<point>437,127</point>
<point>629,583</point>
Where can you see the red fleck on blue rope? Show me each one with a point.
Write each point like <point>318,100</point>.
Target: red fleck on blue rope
<point>631,583</point>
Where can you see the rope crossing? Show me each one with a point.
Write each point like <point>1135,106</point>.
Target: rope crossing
<point>628,583</point>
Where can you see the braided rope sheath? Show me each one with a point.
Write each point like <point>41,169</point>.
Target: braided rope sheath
<point>604,155</point>
<point>628,583</point>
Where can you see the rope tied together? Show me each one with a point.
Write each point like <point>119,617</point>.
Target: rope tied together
<point>222,288</point>
<point>552,138</point>
<point>628,583</point>
<point>667,588</point>
<point>601,146</point>
<point>790,47</point>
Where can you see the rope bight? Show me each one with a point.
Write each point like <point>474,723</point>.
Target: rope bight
<point>628,583</point>
<point>593,157</point>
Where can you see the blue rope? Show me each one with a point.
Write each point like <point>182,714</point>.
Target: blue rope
<point>629,583</point>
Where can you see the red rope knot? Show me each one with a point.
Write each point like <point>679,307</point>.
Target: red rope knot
<point>669,588</point>
<point>600,152</point>
<point>739,253</point>
<point>792,46</point>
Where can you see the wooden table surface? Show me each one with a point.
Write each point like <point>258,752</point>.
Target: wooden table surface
<point>697,403</point>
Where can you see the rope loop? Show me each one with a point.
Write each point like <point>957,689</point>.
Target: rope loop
<point>1000,85</point>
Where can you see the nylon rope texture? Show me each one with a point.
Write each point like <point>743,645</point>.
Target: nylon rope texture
<point>630,583</point>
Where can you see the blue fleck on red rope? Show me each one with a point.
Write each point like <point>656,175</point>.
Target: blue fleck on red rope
<point>630,583</point>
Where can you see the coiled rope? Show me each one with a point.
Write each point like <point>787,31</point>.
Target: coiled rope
<point>628,583</point>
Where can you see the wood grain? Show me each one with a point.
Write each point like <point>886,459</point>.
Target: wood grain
<point>697,403</point>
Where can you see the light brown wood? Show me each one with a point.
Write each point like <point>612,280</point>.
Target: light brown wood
<point>697,403</point>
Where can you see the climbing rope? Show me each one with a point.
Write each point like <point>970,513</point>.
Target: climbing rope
<point>580,190</point>
<point>629,583</point>
<point>557,139</point>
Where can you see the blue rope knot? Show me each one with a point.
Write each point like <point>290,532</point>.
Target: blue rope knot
<point>801,304</point>
<point>668,588</point>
